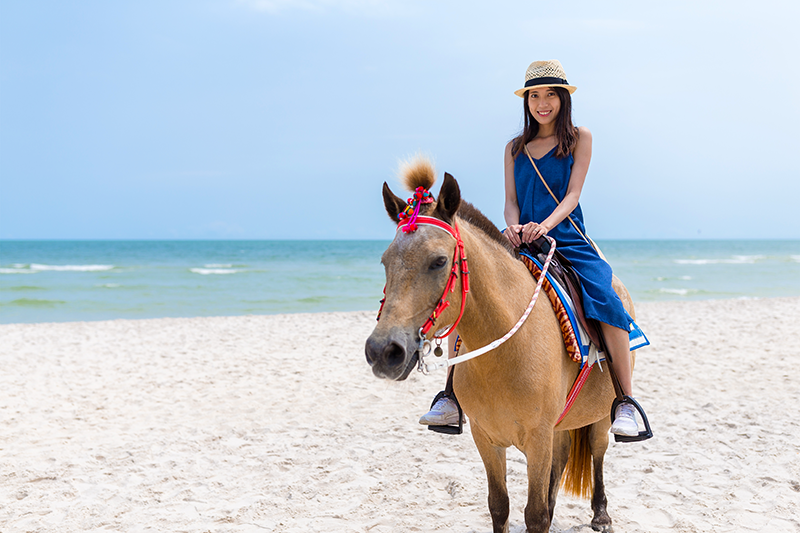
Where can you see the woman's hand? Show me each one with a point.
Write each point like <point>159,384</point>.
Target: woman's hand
<point>512,234</point>
<point>532,231</point>
<point>519,233</point>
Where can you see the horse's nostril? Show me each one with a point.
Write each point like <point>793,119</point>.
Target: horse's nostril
<point>371,350</point>
<point>394,354</point>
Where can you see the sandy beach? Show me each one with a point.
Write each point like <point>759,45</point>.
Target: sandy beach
<point>275,423</point>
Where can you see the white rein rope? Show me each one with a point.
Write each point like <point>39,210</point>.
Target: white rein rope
<point>429,367</point>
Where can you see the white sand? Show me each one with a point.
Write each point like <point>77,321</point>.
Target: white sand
<point>275,423</point>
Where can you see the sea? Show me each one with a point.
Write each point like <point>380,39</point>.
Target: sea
<point>65,281</point>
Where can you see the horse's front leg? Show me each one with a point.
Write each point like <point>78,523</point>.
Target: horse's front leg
<point>539,453</point>
<point>494,461</point>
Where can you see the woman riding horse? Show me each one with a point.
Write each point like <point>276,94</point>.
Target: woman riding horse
<point>545,169</point>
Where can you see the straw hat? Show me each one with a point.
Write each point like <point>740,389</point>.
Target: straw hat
<point>545,74</point>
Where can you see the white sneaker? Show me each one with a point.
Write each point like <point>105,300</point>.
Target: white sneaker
<point>625,421</point>
<point>443,413</point>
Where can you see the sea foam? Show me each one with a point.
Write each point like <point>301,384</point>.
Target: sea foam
<point>207,271</point>
<point>680,292</point>
<point>16,271</point>
<point>71,268</point>
<point>735,260</point>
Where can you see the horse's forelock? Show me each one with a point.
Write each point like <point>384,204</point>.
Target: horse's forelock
<point>417,172</point>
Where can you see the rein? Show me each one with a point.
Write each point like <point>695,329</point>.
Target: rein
<point>428,367</point>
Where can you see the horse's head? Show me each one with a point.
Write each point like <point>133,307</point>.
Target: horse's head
<point>418,264</point>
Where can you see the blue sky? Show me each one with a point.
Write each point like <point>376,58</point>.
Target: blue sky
<point>280,119</point>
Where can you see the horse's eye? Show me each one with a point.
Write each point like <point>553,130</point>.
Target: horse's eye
<point>438,263</point>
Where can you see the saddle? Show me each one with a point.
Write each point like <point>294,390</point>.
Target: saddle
<point>562,272</point>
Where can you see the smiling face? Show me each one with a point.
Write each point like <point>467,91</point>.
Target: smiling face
<point>544,104</point>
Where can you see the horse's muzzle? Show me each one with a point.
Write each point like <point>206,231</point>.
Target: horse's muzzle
<point>391,356</point>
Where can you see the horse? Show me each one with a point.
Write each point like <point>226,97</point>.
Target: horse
<point>512,395</point>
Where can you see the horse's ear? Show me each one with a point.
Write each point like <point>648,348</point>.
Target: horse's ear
<point>449,199</point>
<point>394,205</point>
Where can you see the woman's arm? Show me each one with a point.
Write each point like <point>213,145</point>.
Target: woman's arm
<point>511,209</point>
<point>582,156</point>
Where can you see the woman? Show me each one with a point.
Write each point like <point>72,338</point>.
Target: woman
<point>562,153</point>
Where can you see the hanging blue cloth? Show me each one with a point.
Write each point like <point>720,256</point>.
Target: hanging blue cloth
<point>600,302</point>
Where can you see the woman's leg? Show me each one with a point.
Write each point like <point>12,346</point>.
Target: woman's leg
<point>618,344</point>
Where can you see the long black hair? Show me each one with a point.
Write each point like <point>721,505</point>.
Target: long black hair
<point>566,132</point>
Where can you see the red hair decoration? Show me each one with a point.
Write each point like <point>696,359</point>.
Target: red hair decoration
<point>411,212</point>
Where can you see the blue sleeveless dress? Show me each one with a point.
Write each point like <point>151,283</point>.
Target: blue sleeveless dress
<point>600,302</point>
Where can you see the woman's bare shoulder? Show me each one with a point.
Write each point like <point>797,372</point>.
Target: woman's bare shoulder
<point>508,151</point>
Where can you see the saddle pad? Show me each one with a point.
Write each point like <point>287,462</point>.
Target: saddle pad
<point>565,318</point>
<point>579,346</point>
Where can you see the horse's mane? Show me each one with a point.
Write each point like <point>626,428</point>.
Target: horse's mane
<point>472,214</point>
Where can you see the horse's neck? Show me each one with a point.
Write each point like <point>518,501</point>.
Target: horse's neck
<point>500,291</point>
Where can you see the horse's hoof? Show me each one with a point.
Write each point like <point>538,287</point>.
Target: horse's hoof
<point>602,522</point>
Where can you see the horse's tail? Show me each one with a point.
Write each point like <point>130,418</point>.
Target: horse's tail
<point>578,480</point>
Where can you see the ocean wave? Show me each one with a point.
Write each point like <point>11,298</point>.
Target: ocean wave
<point>735,260</point>
<point>109,285</point>
<point>665,278</point>
<point>70,268</point>
<point>207,271</point>
<point>679,292</point>
<point>219,265</point>
<point>796,258</point>
<point>17,271</point>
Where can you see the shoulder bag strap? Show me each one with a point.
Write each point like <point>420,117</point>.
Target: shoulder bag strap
<point>585,238</point>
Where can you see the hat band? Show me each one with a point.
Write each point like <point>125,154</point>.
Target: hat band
<point>546,81</point>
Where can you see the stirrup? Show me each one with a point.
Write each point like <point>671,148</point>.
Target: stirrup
<point>643,435</point>
<point>449,430</point>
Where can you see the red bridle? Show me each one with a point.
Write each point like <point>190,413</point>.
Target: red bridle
<point>459,258</point>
